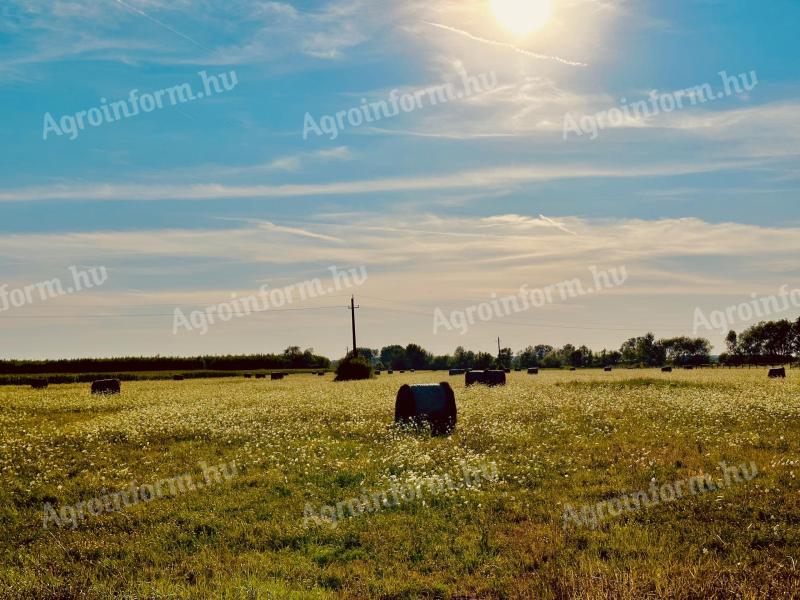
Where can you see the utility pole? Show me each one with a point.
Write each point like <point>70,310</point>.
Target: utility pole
<point>353,308</point>
<point>499,354</point>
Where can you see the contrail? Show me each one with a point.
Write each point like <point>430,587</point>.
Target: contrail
<point>506,45</point>
<point>556,224</point>
<point>164,25</point>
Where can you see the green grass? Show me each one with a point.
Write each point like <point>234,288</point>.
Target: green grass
<point>557,438</point>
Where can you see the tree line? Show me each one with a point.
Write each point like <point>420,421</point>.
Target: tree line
<point>291,358</point>
<point>773,342</point>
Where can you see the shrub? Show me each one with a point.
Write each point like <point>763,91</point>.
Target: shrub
<point>351,369</point>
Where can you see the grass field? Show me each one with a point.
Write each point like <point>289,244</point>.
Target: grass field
<point>555,439</point>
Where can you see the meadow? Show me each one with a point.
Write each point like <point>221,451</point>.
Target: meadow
<point>560,438</point>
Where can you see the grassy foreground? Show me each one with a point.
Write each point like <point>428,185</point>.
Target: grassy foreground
<point>557,438</point>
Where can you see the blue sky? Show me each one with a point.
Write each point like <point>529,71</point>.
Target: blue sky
<point>444,205</point>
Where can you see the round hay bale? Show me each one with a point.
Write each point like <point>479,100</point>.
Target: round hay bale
<point>276,376</point>
<point>777,373</point>
<point>666,369</point>
<point>377,372</point>
<point>260,376</point>
<point>490,378</point>
<point>608,369</point>
<point>573,369</point>
<point>248,376</point>
<point>106,386</point>
<point>321,373</point>
<point>533,371</point>
<point>39,384</point>
<point>390,372</point>
<point>433,403</point>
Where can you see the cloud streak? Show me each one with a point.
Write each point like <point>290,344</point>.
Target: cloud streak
<point>506,45</point>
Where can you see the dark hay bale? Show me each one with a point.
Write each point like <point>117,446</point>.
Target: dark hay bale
<point>106,386</point>
<point>177,377</point>
<point>390,372</point>
<point>276,376</point>
<point>413,370</point>
<point>533,371</point>
<point>490,378</point>
<point>518,369</point>
<point>39,384</point>
<point>321,373</point>
<point>402,371</point>
<point>456,371</point>
<point>573,369</point>
<point>377,372</point>
<point>248,376</point>
<point>260,376</point>
<point>608,369</point>
<point>433,403</point>
<point>777,373</point>
<point>666,369</point>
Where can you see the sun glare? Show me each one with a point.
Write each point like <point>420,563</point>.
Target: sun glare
<point>522,16</point>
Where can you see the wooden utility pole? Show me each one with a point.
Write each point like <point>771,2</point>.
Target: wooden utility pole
<point>353,308</point>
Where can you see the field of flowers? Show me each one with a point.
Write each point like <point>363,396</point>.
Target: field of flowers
<point>556,439</point>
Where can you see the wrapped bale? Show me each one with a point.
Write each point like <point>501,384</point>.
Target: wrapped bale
<point>433,403</point>
<point>106,386</point>
<point>777,373</point>
<point>490,378</point>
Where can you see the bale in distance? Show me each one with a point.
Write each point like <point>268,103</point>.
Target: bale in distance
<point>777,373</point>
<point>248,376</point>
<point>490,378</point>
<point>433,403</point>
<point>276,376</point>
<point>666,369</point>
<point>260,376</point>
<point>608,369</point>
<point>106,386</point>
<point>390,372</point>
<point>321,373</point>
<point>533,371</point>
<point>573,369</point>
<point>39,384</point>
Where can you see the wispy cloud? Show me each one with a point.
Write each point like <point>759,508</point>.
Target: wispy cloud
<point>481,178</point>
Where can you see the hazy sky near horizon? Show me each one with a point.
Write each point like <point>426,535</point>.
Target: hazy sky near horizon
<point>443,205</point>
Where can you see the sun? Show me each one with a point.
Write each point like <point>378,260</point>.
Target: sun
<point>522,16</point>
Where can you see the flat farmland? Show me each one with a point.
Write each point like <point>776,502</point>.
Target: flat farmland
<point>244,489</point>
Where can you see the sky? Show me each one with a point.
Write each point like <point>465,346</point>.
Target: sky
<point>527,173</point>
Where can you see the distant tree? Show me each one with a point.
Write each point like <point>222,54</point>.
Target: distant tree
<point>394,357</point>
<point>417,356</point>
<point>505,358</point>
<point>484,360</point>
<point>527,358</point>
